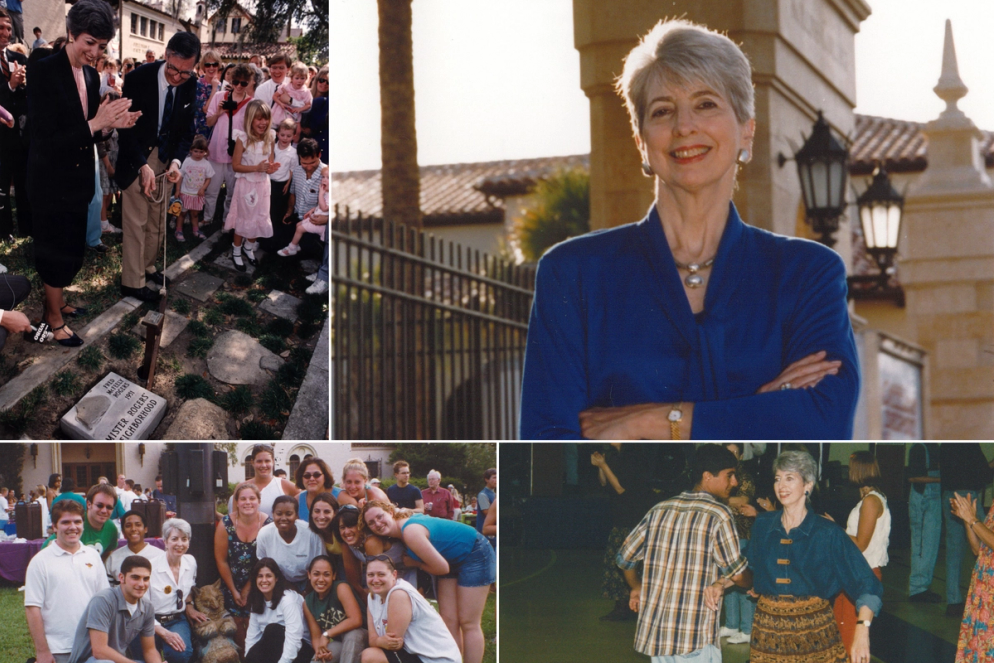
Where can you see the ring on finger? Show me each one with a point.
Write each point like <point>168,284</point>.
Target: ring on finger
<point>785,386</point>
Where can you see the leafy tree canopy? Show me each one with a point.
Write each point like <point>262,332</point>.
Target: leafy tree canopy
<point>561,210</point>
<point>270,21</point>
<point>466,461</point>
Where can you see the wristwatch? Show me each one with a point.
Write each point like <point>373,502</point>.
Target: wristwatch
<point>865,622</point>
<point>324,634</point>
<point>674,417</point>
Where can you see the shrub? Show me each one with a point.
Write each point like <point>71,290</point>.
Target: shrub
<point>312,309</point>
<point>65,383</point>
<point>192,386</point>
<point>197,328</point>
<point>276,401</point>
<point>250,326</point>
<point>255,430</point>
<point>90,358</point>
<point>243,280</point>
<point>122,345</point>
<point>561,211</point>
<point>213,316</point>
<point>280,327</point>
<point>199,346</point>
<point>181,305</point>
<point>256,296</point>
<point>291,375</point>
<point>237,400</point>
<point>16,419</point>
<point>235,306</point>
<point>273,343</point>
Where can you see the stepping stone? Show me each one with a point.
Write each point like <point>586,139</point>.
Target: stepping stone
<point>281,305</point>
<point>199,419</point>
<point>115,409</point>
<point>310,266</point>
<point>199,285</point>
<point>237,358</point>
<point>173,327</point>
<point>224,260</point>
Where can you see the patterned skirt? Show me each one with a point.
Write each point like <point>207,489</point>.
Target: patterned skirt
<point>615,586</point>
<point>795,629</point>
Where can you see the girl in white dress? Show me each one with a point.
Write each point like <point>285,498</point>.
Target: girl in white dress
<point>252,162</point>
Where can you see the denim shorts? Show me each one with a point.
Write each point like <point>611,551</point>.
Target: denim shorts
<point>479,569</point>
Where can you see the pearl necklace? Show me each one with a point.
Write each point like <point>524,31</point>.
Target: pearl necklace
<point>693,279</point>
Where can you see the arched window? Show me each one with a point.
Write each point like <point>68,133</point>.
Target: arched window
<point>294,464</point>
<point>249,468</point>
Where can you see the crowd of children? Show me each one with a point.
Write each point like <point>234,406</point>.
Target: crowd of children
<point>253,137</point>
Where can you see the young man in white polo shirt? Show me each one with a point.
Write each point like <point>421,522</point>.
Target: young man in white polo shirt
<point>60,581</point>
<point>277,74</point>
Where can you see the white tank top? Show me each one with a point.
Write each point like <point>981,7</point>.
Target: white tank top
<point>426,636</point>
<point>275,488</point>
<point>876,552</point>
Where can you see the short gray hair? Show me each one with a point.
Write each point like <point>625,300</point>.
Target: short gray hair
<point>436,474</point>
<point>176,523</point>
<point>799,462</point>
<point>680,52</point>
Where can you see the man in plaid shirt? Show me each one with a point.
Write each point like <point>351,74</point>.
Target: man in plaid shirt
<point>691,554</point>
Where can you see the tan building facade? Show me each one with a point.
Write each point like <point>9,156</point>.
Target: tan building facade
<point>144,28</point>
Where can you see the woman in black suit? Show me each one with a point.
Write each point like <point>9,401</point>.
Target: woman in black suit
<point>60,178</point>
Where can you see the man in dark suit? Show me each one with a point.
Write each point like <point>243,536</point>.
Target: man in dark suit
<point>13,140</point>
<point>165,92</point>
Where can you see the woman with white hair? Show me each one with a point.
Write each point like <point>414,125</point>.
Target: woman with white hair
<point>173,577</point>
<point>690,323</point>
<point>799,561</point>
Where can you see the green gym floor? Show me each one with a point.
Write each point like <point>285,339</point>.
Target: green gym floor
<point>550,601</point>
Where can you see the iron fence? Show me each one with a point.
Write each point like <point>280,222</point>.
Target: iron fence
<point>428,337</point>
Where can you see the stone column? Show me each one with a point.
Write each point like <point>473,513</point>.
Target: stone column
<point>947,267</point>
<point>803,58</point>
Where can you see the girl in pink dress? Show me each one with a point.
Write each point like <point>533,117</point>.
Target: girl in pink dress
<point>292,97</point>
<point>253,164</point>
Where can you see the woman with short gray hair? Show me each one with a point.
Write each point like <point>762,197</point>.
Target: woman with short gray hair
<point>690,323</point>
<point>800,561</point>
<point>173,578</point>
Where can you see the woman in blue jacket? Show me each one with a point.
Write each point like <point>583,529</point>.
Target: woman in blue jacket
<point>689,323</point>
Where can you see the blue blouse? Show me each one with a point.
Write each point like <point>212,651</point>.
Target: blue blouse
<point>817,558</point>
<point>611,326</point>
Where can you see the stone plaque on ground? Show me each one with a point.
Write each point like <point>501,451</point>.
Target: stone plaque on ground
<point>173,327</point>
<point>115,409</point>
<point>200,285</point>
<point>237,358</point>
<point>224,260</point>
<point>281,305</point>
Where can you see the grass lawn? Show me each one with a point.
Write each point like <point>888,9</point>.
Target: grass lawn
<point>16,646</point>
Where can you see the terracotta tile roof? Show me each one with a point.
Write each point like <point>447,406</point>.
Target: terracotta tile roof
<point>454,194</point>
<point>899,144</point>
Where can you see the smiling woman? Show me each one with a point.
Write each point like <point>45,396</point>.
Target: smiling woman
<point>689,323</point>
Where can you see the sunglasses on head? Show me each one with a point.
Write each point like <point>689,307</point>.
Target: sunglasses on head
<point>349,507</point>
<point>379,558</point>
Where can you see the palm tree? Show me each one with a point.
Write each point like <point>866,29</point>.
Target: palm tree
<point>401,183</point>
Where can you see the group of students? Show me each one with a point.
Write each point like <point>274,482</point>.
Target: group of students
<point>309,571</point>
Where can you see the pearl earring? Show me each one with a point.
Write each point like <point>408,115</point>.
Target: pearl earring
<point>647,169</point>
<point>743,157</point>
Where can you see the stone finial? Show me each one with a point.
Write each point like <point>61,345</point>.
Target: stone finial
<point>950,87</point>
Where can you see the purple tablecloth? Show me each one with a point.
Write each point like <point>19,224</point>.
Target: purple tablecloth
<point>14,557</point>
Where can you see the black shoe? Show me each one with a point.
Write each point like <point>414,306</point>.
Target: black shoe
<point>955,610</point>
<point>100,248</point>
<point>158,278</point>
<point>74,313</point>
<point>142,293</point>
<point>73,341</point>
<point>238,261</point>
<point>925,597</point>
